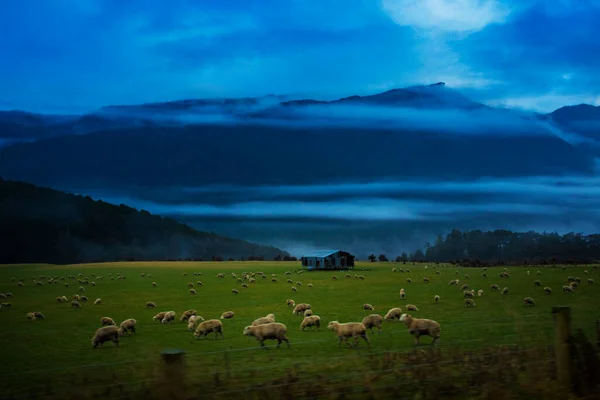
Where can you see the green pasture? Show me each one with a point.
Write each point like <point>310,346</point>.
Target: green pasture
<point>44,355</point>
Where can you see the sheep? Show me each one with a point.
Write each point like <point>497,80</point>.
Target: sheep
<point>6,305</point>
<point>466,276</point>
<point>107,321</point>
<point>309,285</point>
<point>548,290</point>
<point>529,302</point>
<point>347,330</point>
<point>97,301</point>
<point>187,314</point>
<point>469,303</point>
<point>334,278</point>
<point>480,293</point>
<point>538,273</point>
<point>419,326</point>
<point>590,281</point>
<point>361,277</point>
<point>402,294</point>
<point>168,317</point>
<point>454,282</point>
<point>290,302</point>
<point>411,307</point>
<point>464,287</point>
<point>150,304</point>
<point>75,304</point>
<point>312,320</point>
<point>392,314</point>
<point>373,321</point>
<point>105,334</point>
<point>31,316</point>
<point>209,326</point>
<point>154,284</point>
<point>159,316</point>
<point>348,276</point>
<point>408,280</point>
<point>436,298</point>
<point>494,287</point>
<point>467,294</point>
<point>273,330</point>
<point>537,283</point>
<point>193,292</point>
<point>505,291</point>
<point>227,315</point>
<point>573,284</point>
<point>568,289</point>
<point>300,308</point>
<point>264,320</point>
<point>195,319</point>
<point>426,280</point>
<point>294,289</point>
<point>368,307</point>
<point>199,283</point>
<point>127,326</point>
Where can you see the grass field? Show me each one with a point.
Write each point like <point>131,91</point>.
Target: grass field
<point>47,356</point>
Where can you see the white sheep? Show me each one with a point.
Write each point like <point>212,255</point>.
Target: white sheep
<point>168,317</point>
<point>368,307</point>
<point>300,308</point>
<point>227,315</point>
<point>97,301</point>
<point>436,298</point>
<point>150,304</point>
<point>411,307</point>
<point>347,330</point>
<point>529,302</point>
<point>548,290</point>
<point>469,303</point>
<point>75,304</point>
<point>273,330</point>
<point>127,326</point>
<point>187,314</point>
<point>264,320</point>
<point>308,313</point>
<point>290,302</point>
<point>393,314</point>
<point>107,321</point>
<point>159,316</point>
<point>105,334</point>
<point>420,326</point>
<point>313,320</point>
<point>373,321</point>
<point>480,292</point>
<point>209,326</point>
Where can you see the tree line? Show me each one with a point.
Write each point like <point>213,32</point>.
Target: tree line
<point>504,247</point>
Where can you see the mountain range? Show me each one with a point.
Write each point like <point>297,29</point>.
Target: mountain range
<point>210,162</point>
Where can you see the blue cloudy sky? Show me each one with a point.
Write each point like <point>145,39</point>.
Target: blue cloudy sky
<point>77,55</point>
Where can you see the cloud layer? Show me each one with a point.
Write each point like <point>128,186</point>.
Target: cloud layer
<point>89,53</point>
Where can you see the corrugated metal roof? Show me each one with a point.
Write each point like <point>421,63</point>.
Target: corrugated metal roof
<point>320,253</point>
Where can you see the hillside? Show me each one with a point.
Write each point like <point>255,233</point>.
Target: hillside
<point>41,225</point>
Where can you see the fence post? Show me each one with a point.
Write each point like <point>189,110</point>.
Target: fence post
<point>598,333</point>
<point>173,373</point>
<point>562,333</point>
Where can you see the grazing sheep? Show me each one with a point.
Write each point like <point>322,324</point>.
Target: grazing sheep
<point>75,304</point>
<point>199,283</point>
<point>480,292</point>
<point>290,302</point>
<point>274,280</point>
<point>537,283</point>
<point>347,276</point>
<point>31,316</point>
<point>408,280</point>
<point>334,278</point>
<point>313,320</point>
<point>538,273</point>
<point>187,314</point>
<point>464,287</point>
<point>107,321</point>
<point>154,284</point>
<point>393,314</point>
<point>421,327</point>
<point>310,285</point>
<point>150,304</point>
<point>505,291</point>
<point>368,307</point>
<point>529,302</point>
<point>294,289</point>
<point>347,330</point>
<point>168,317</point>
<point>193,292</point>
<point>467,294</point>
<point>59,299</point>
<point>273,330</point>
<point>454,282</point>
<point>469,303</point>
<point>573,284</point>
<point>300,308</point>
<point>105,334</point>
<point>590,281</point>
<point>209,326</point>
<point>127,326</point>
<point>195,319</point>
<point>264,320</point>
<point>373,321</point>
<point>97,301</point>
<point>159,316</point>
<point>361,277</point>
<point>227,315</point>
<point>83,298</point>
<point>466,276</point>
<point>436,298</point>
<point>235,291</point>
<point>402,294</point>
<point>411,307</point>
<point>568,289</point>
<point>494,287</point>
<point>426,280</point>
<point>547,290</point>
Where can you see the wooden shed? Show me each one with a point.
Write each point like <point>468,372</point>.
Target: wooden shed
<point>327,259</point>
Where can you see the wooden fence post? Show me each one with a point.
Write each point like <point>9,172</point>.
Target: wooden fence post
<point>173,373</point>
<point>562,333</point>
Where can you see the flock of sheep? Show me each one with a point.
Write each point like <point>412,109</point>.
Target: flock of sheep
<point>267,328</point>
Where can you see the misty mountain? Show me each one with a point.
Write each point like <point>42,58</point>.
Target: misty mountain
<point>582,118</point>
<point>48,226</point>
